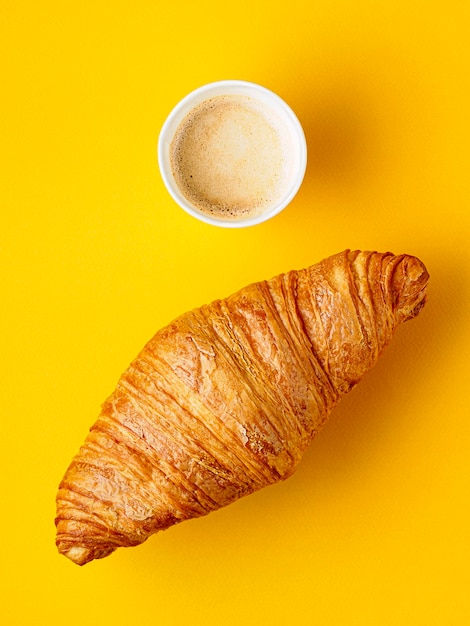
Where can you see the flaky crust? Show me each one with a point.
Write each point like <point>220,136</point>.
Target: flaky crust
<point>225,399</point>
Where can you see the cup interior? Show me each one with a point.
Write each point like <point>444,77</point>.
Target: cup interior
<point>297,149</point>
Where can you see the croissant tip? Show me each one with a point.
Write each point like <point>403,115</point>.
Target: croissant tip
<point>81,555</point>
<point>78,555</point>
<point>410,284</point>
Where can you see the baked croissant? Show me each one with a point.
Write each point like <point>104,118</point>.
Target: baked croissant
<point>226,398</point>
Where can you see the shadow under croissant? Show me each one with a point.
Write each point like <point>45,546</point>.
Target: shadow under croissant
<point>352,441</point>
<point>379,405</point>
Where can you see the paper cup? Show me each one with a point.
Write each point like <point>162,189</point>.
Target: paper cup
<point>225,212</point>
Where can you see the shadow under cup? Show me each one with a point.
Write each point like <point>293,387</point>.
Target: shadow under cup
<point>232,154</point>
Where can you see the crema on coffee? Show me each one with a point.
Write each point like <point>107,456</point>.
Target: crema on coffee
<point>230,157</point>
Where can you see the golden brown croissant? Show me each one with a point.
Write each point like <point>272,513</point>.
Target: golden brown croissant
<point>225,399</point>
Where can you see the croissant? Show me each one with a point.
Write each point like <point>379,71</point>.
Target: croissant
<point>225,399</point>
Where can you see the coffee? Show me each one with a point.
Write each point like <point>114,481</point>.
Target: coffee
<point>230,157</point>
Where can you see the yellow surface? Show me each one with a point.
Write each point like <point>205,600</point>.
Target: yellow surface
<point>95,257</point>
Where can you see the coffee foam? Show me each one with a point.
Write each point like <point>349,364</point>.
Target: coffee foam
<point>230,157</point>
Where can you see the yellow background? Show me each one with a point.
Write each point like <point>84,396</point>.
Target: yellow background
<point>95,257</point>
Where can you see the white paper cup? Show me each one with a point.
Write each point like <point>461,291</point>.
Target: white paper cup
<point>296,150</point>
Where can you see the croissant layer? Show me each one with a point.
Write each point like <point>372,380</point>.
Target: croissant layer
<point>225,399</point>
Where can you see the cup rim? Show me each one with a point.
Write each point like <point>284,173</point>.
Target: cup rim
<point>229,87</point>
